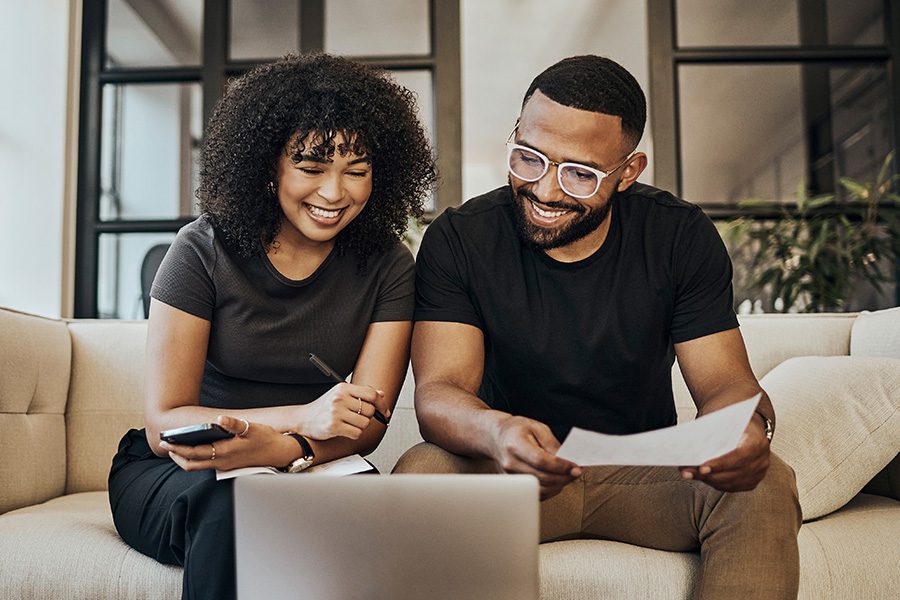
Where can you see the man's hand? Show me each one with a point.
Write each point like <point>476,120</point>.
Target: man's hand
<point>522,445</point>
<point>741,469</point>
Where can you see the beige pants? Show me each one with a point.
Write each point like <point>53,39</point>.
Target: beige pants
<point>747,540</point>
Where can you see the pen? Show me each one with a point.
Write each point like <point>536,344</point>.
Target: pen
<point>320,364</point>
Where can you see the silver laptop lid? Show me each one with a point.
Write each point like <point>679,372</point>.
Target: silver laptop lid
<point>397,536</point>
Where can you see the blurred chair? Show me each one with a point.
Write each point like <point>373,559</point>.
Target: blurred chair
<point>149,266</point>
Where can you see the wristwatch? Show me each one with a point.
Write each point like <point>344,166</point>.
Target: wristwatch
<point>305,460</point>
<point>770,427</point>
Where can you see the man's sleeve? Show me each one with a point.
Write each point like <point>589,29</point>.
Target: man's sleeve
<point>442,289</point>
<point>704,300</point>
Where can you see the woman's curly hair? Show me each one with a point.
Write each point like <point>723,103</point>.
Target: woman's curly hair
<point>273,108</point>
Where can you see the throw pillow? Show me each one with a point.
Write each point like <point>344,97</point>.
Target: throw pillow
<point>838,424</point>
<point>876,333</point>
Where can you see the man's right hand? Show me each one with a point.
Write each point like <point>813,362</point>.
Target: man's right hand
<point>523,445</point>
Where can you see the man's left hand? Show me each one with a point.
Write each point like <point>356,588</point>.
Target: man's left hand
<point>741,469</point>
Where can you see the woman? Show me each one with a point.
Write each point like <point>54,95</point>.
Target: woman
<point>311,167</point>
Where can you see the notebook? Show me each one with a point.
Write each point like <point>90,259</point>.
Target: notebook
<point>391,536</point>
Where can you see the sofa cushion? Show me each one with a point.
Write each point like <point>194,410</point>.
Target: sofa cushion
<point>67,548</point>
<point>848,554</point>
<point>876,334</point>
<point>853,552</point>
<point>838,424</point>
<point>578,569</point>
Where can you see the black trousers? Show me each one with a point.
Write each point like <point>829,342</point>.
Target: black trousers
<point>175,517</point>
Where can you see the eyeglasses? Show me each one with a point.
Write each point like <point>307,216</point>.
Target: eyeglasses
<point>576,180</point>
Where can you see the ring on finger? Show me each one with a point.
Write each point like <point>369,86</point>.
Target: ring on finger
<point>359,410</point>
<point>213,457</point>
<point>246,427</point>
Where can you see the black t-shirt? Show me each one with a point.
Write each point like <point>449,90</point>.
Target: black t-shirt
<point>264,325</point>
<point>589,343</point>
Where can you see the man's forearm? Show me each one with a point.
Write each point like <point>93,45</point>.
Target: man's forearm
<point>457,420</point>
<point>738,392</point>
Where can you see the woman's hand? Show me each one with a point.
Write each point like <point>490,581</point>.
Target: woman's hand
<point>253,445</point>
<point>343,411</point>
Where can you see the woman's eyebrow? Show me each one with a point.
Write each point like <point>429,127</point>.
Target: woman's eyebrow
<point>324,160</point>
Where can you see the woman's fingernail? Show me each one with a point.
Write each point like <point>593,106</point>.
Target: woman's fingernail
<point>704,470</point>
<point>687,474</point>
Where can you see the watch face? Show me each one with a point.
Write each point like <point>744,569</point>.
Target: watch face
<point>301,463</point>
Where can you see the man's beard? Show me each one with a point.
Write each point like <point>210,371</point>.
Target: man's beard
<point>544,238</point>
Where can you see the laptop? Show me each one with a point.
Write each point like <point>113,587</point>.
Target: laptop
<point>387,536</point>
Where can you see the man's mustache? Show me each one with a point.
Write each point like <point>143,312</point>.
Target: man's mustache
<point>528,194</point>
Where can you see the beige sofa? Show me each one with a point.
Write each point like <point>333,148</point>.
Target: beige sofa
<point>69,389</point>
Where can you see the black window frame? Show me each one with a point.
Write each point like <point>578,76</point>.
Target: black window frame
<point>666,57</point>
<point>443,61</point>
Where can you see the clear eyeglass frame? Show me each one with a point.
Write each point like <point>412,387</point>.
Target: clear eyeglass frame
<point>560,167</point>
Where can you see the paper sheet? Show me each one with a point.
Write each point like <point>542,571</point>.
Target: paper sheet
<point>336,468</point>
<point>688,444</point>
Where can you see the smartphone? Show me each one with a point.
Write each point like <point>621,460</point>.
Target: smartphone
<point>194,435</point>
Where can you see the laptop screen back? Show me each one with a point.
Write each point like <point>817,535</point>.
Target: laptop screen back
<point>398,536</point>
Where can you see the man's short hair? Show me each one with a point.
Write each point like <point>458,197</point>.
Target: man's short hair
<point>597,84</point>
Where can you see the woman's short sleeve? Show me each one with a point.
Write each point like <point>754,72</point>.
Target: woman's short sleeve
<point>396,286</point>
<point>185,276</point>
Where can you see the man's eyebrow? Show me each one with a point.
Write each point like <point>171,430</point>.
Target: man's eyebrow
<point>586,163</point>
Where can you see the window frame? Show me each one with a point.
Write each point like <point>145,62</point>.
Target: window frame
<point>443,61</point>
<point>666,58</point>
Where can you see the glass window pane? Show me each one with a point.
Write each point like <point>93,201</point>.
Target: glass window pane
<point>264,28</point>
<point>775,23</point>
<point>860,22</point>
<point>153,33</point>
<point>420,83</point>
<point>119,285</point>
<point>760,131</point>
<point>383,28</point>
<point>149,153</point>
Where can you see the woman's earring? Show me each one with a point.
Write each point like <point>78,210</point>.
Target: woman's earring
<point>271,187</point>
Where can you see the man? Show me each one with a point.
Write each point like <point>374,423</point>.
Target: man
<point>562,300</point>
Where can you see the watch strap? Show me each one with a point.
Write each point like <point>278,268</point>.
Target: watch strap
<point>305,460</point>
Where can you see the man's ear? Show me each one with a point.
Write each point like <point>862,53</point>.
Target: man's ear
<point>632,170</point>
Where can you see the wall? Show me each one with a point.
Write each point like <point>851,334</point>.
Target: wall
<point>34,69</point>
<point>506,43</point>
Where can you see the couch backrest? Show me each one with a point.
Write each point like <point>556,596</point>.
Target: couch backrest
<point>773,338</point>
<point>105,396</point>
<point>34,379</point>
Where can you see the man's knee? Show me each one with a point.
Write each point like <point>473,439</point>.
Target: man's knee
<point>776,495</point>
<point>428,458</point>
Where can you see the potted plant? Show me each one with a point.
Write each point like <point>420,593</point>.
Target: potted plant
<point>811,258</point>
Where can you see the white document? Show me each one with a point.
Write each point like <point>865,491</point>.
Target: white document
<point>336,468</point>
<point>688,444</point>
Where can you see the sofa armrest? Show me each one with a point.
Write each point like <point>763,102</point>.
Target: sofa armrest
<point>35,362</point>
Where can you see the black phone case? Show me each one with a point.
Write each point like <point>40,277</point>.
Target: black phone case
<point>195,438</point>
